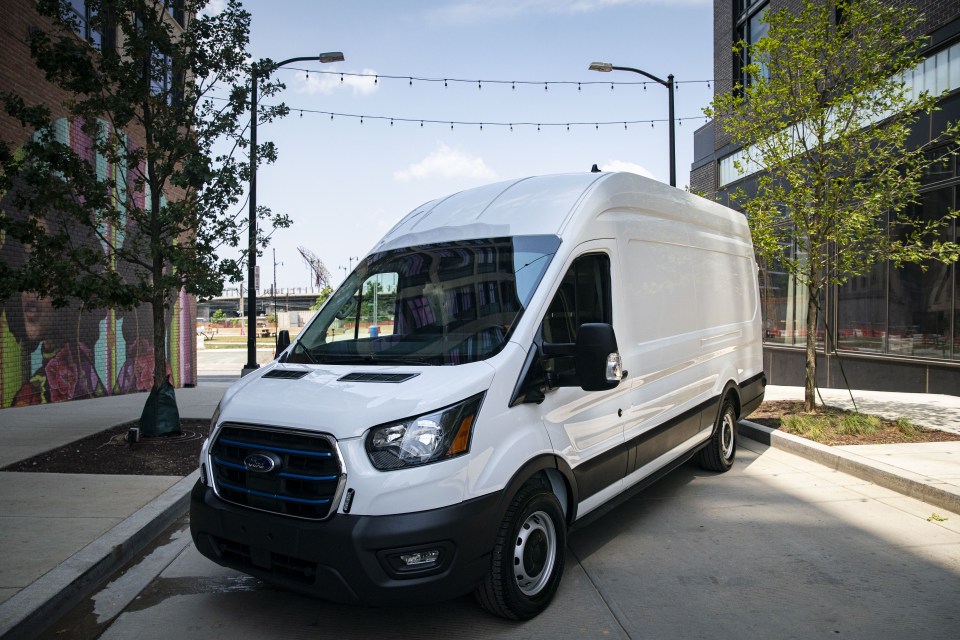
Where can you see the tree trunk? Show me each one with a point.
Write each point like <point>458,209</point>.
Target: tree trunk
<point>159,339</point>
<point>810,380</point>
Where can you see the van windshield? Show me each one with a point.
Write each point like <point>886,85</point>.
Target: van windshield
<point>439,304</point>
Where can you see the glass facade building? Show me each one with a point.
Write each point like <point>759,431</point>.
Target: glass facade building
<point>895,328</point>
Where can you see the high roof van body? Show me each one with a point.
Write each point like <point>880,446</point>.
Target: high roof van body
<point>504,361</point>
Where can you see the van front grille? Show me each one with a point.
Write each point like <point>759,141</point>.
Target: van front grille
<point>290,473</point>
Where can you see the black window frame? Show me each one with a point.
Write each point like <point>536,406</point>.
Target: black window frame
<point>561,368</point>
<point>745,12</point>
<point>102,39</point>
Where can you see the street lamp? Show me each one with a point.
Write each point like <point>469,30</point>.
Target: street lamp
<point>255,74</point>
<point>668,83</point>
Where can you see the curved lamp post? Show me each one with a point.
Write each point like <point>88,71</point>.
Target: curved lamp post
<point>256,73</point>
<point>668,83</point>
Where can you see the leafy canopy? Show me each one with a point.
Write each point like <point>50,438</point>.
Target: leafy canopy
<point>166,107</point>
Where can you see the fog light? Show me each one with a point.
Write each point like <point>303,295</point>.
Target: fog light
<point>420,559</point>
<point>203,474</point>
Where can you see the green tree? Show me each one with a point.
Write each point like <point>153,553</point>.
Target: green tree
<point>218,316</point>
<point>826,116</point>
<point>325,293</point>
<point>168,107</point>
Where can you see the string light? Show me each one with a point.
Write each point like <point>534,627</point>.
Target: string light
<point>479,82</point>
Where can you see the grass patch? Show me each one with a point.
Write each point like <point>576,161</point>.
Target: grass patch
<point>834,426</point>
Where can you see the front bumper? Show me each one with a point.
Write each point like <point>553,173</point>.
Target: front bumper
<point>351,558</point>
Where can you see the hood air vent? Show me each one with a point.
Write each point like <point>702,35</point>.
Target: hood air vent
<point>377,377</point>
<point>286,374</point>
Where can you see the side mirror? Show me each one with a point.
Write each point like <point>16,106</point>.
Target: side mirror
<point>597,358</point>
<point>283,341</point>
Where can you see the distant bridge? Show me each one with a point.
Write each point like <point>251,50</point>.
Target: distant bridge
<point>299,299</point>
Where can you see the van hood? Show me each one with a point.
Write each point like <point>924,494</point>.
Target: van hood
<point>345,401</point>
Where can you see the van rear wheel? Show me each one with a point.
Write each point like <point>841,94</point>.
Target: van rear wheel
<point>527,560</point>
<point>719,454</point>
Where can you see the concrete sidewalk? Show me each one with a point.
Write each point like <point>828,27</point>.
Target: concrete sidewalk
<point>927,471</point>
<point>61,534</point>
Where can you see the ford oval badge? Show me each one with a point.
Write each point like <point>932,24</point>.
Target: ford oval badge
<point>261,462</point>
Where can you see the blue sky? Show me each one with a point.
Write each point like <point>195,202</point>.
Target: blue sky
<point>344,183</point>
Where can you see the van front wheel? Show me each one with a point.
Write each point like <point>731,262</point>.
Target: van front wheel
<point>527,560</point>
<point>718,455</point>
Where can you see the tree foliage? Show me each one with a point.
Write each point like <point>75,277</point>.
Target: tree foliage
<point>168,108</point>
<point>827,118</point>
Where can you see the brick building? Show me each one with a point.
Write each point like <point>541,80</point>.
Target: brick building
<point>47,354</point>
<point>896,329</point>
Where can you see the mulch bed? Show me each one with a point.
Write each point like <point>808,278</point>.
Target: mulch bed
<point>769,414</point>
<point>108,452</point>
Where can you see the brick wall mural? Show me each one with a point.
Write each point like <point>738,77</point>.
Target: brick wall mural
<point>52,355</point>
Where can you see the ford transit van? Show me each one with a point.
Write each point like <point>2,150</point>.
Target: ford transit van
<point>502,363</point>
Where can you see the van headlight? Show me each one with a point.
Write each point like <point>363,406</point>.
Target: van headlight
<point>423,439</point>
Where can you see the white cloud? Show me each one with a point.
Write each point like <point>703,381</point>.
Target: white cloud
<point>621,165</point>
<point>327,83</point>
<point>473,11</point>
<point>446,163</point>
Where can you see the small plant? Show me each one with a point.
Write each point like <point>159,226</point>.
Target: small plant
<point>905,427</point>
<point>807,425</point>
<point>858,424</point>
<point>936,517</point>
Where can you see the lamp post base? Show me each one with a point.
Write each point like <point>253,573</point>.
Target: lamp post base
<point>247,369</point>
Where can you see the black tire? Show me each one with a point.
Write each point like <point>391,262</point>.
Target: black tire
<point>527,560</point>
<point>719,454</point>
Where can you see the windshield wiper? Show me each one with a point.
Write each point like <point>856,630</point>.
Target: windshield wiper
<point>299,349</point>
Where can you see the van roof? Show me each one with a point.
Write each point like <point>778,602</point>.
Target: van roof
<point>552,204</point>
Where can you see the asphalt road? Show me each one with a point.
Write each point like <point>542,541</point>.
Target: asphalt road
<point>779,547</point>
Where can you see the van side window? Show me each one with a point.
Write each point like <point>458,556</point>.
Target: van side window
<point>583,296</point>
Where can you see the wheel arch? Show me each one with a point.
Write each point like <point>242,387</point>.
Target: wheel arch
<point>555,473</point>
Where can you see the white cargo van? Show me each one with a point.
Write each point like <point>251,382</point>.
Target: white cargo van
<point>504,361</point>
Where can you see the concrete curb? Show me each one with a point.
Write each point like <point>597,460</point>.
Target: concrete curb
<point>31,610</point>
<point>900,480</point>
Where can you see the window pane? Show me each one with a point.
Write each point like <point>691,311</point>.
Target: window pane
<point>921,300</point>
<point>862,312</point>
<point>956,283</point>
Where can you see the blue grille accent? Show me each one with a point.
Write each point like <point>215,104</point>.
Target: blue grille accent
<point>305,484</point>
<point>275,497</point>
<point>258,447</point>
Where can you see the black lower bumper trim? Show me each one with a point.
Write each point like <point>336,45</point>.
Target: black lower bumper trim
<point>350,558</point>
